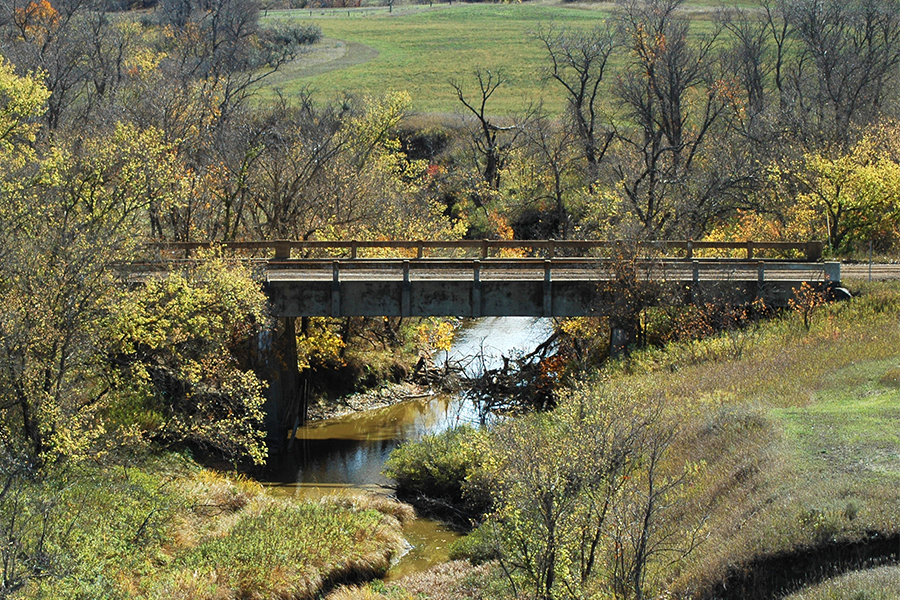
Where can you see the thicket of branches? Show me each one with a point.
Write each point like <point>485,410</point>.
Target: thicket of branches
<point>776,121</point>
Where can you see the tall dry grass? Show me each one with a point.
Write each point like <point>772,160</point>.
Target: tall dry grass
<point>455,580</point>
<point>150,534</point>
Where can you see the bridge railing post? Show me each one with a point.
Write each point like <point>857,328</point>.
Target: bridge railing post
<point>420,249</point>
<point>354,246</point>
<point>282,250</point>
<point>690,249</point>
<point>551,248</point>
<point>814,250</point>
<point>749,250</point>
<point>485,249</point>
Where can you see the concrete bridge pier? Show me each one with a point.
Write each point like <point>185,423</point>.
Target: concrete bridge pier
<point>284,408</point>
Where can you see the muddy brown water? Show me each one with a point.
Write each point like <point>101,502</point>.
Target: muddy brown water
<point>347,454</point>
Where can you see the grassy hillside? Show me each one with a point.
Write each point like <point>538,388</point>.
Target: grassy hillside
<point>418,49</point>
<point>793,436</point>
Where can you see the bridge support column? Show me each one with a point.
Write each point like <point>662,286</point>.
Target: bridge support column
<point>404,292</point>
<point>548,290</point>
<point>476,289</point>
<point>284,407</point>
<point>618,341</point>
<point>335,289</point>
<point>695,278</point>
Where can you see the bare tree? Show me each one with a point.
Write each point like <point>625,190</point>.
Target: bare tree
<point>848,63</point>
<point>749,57</point>
<point>578,62</point>
<point>552,151</point>
<point>493,142</point>
<point>672,100</point>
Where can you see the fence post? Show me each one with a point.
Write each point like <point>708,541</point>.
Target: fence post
<point>749,250</point>
<point>420,249</point>
<point>690,249</point>
<point>551,249</point>
<point>870,261</point>
<point>485,249</point>
<point>354,245</point>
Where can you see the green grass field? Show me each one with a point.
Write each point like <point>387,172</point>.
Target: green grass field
<point>419,49</point>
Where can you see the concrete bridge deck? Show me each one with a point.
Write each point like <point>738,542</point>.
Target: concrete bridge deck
<point>562,278</point>
<point>523,287</point>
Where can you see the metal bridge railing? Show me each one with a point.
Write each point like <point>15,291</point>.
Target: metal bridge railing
<point>486,249</point>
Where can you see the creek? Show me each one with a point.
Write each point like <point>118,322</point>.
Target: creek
<point>347,454</point>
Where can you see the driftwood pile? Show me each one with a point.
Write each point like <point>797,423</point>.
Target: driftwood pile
<point>520,383</point>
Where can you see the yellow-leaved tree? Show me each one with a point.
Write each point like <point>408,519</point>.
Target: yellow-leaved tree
<point>855,197</point>
<point>180,356</point>
<point>69,213</point>
<point>848,199</point>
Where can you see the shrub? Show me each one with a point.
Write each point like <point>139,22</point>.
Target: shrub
<point>478,547</point>
<point>440,466</point>
<point>291,36</point>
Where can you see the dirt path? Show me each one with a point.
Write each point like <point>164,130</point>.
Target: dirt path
<point>328,55</point>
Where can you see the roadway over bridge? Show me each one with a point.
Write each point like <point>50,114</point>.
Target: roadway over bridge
<point>541,278</point>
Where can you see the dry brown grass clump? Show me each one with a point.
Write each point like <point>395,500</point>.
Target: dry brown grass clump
<point>455,580</point>
<point>404,513</point>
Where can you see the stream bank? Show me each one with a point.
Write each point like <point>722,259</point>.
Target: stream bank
<point>345,454</point>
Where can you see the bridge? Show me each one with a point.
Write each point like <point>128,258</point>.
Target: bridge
<point>480,278</point>
<point>540,278</point>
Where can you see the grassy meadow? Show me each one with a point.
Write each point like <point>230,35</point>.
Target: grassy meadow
<point>418,49</point>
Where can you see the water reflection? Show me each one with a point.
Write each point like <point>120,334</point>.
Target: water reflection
<point>352,449</point>
<point>348,453</point>
<point>483,344</point>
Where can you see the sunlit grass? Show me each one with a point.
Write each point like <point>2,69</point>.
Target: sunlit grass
<point>163,531</point>
<point>419,49</point>
<point>873,584</point>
